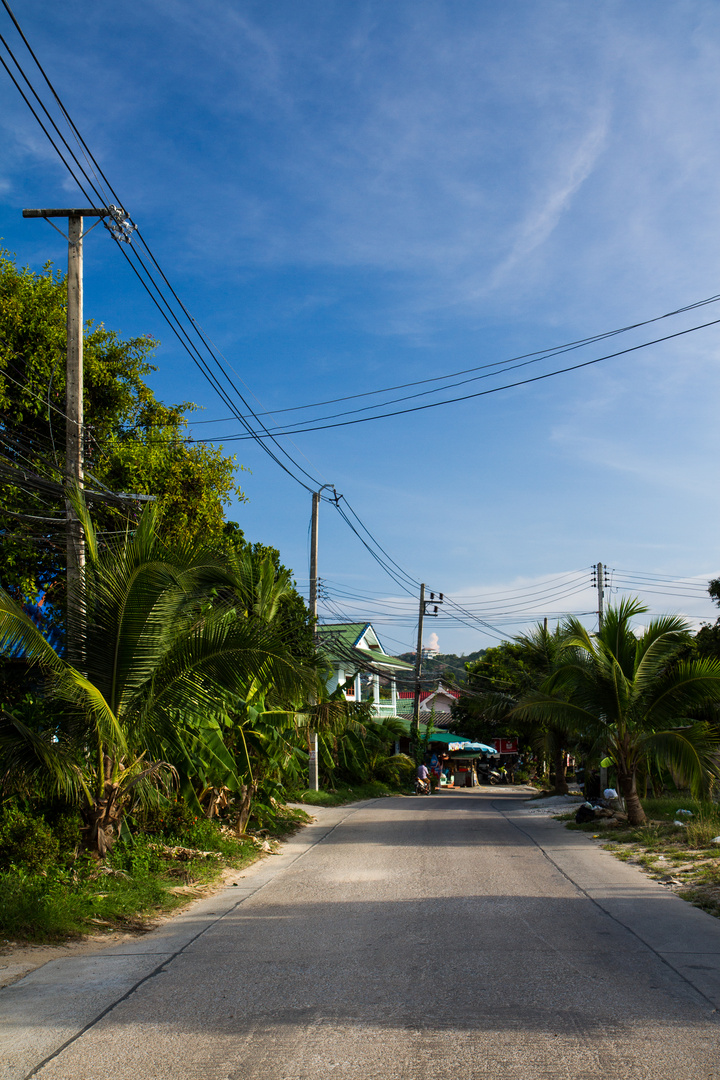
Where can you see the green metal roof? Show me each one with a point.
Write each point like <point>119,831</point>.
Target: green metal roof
<point>339,641</point>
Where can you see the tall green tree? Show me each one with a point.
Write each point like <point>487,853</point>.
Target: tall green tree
<point>633,696</point>
<point>502,679</point>
<point>707,639</point>
<point>133,442</point>
<point>495,681</point>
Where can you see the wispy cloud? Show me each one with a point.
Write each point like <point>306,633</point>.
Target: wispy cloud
<point>543,219</point>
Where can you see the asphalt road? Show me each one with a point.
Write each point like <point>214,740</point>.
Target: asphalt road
<point>445,937</point>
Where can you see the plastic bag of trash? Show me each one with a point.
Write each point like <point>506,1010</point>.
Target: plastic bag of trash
<point>585,812</point>
<point>610,793</point>
<point>685,813</point>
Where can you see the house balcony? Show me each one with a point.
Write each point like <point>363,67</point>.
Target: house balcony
<point>383,709</point>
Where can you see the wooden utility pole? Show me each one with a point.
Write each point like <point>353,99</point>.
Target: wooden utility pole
<point>75,537</point>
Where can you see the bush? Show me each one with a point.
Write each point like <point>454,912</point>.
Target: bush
<point>169,817</point>
<point>27,841</point>
<point>398,769</point>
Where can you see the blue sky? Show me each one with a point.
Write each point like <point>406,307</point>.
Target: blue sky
<point>351,197</point>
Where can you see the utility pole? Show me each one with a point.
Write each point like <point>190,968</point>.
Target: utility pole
<point>601,595</point>
<point>314,558</point>
<point>415,726</point>
<point>313,780</point>
<point>316,497</point>
<point>599,572</point>
<point>74,431</point>
<point>121,228</point>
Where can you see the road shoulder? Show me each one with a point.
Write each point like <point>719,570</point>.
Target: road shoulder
<point>682,936</point>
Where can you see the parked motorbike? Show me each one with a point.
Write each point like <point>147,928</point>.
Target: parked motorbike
<point>488,775</point>
<point>422,787</point>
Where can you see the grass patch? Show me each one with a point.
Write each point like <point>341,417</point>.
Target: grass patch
<point>342,795</point>
<point>60,904</point>
<point>135,884</point>
<point>684,859</point>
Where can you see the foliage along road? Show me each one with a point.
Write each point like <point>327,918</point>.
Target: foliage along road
<point>452,936</point>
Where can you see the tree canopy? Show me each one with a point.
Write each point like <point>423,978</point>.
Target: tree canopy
<point>636,697</point>
<point>132,441</point>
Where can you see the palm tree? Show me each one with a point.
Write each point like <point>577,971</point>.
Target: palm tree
<point>533,658</point>
<point>635,698</point>
<point>168,652</point>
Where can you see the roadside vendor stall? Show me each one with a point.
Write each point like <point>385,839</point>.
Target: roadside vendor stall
<point>453,759</point>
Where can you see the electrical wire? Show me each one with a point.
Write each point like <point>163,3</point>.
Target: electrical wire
<point>555,350</point>
<point>263,434</point>
<point>317,426</point>
<point>168,314</point>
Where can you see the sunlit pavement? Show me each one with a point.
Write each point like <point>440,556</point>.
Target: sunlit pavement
<point>449,936</point>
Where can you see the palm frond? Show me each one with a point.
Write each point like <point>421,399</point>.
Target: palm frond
<point>41,760</point>
<point>20,636</point>
<point>691,752</point>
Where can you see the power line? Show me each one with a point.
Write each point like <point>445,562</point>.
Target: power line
<point>540,354</point>
<point>169,315</point>
<point>317,426</point>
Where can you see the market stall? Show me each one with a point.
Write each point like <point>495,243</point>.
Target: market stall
<point>453,759</point>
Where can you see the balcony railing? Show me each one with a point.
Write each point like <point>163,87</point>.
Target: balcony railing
<point>384,708</point>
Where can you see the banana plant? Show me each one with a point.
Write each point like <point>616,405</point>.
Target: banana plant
<point>164,647</point>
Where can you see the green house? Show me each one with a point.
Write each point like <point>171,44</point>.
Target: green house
<point>357,662</point>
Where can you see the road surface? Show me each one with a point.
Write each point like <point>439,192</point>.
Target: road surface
<point>454,936</point>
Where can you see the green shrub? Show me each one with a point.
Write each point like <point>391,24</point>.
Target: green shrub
<point>169,817</point>
<point>27,840</point>
<point>396,769</point>
<point>67,829</point>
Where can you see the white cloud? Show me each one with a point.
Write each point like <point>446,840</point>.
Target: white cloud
<point>543,219</point>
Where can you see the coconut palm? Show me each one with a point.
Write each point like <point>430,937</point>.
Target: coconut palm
<point>634,696</point>
<point>167,653</point>
<point>534,656</point>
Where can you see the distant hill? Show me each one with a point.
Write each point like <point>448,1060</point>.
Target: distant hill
<point>447,666</point>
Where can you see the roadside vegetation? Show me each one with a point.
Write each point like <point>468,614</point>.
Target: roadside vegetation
<point>643,699</point>
<point>154,737</point>
<point>685,857</point>
<point>157,734</point>
<point>50,889</point>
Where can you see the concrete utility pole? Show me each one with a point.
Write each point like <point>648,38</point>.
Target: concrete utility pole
<point>314,558</point>
<point>75,537</point>
<point>600,582</point>
<point>313,598</point>
<point>600,573</point>
<point>313,781</point>
<point>415,726</point>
